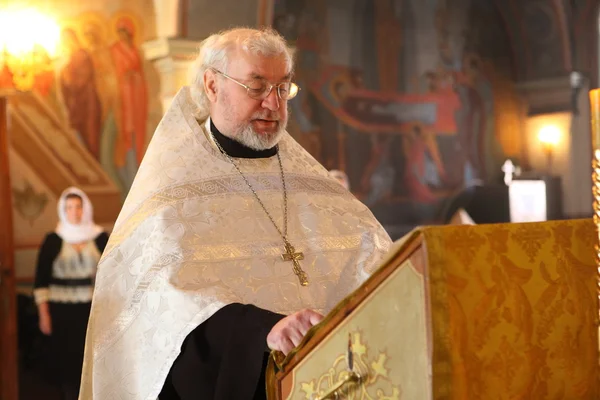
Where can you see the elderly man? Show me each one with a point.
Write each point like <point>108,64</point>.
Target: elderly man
<point>233,240</point>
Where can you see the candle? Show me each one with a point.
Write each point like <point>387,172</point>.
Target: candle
<point>595,125</point>
<point>595,119</point>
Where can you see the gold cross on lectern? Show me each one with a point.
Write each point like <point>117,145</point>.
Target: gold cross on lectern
<point>291,255</point>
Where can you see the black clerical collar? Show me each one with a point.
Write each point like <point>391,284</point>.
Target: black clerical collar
<point>238,150</point>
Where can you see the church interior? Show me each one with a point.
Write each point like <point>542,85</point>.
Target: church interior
<point>436,112</point>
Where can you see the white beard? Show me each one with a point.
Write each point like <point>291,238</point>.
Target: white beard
<point>246,135</point>
<point>259,141</point>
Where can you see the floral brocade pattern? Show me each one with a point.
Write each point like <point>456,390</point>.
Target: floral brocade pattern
<point>522,314</point>
<point>530,238</point>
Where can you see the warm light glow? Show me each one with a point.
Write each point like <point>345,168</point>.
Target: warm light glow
<point>23,30</point>
<point>28,44</point>
<point>549,135</point>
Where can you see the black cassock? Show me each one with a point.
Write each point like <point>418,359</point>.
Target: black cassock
<point>223,358</point>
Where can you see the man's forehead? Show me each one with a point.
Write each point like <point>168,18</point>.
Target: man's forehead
<point>250,66</point>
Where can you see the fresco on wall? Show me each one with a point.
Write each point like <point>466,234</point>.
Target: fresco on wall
<point>412,99</point>
<point>100,89</point>
<point>88,118</point>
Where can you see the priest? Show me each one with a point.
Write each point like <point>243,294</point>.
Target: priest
<point>232,242</point>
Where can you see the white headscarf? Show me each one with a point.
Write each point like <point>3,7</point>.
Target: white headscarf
<point>86,230</point>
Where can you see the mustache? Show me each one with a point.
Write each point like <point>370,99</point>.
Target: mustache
<point>269,117</point>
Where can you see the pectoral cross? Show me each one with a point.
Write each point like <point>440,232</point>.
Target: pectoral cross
<point>291,255</point>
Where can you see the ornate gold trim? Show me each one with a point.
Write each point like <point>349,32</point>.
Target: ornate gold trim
<point>220,186</point>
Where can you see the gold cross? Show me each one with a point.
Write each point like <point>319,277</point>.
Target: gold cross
<point>291,255</point>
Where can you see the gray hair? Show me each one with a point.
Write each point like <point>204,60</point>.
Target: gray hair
<point>215,50</point>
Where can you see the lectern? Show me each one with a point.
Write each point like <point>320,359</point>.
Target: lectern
<point>503,311</point>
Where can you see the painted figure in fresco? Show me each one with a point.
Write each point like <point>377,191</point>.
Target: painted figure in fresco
<point>472,119</point>
<point>475,98</point>
<point>424,168</point>
<point>378,177</point>
<point>442,82</point>
<point>78,87</point>
<point>131,141</point>
<point>475,77</point>
<point>108,92</point>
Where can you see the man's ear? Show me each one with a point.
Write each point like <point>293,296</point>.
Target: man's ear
<point>210,85</point>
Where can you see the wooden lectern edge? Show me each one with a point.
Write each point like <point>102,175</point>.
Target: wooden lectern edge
<point>280,365</point>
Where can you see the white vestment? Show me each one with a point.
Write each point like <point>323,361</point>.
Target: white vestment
<point>192,238</point>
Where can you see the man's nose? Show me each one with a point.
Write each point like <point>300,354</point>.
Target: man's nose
<point>271,102</point>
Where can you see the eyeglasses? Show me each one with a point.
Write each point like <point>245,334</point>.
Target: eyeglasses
<point>285,90</point>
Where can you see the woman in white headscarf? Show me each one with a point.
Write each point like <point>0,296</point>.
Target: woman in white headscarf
<point>64,284</point>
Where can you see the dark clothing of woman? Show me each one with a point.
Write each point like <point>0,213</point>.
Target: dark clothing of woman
<point>65,280</point>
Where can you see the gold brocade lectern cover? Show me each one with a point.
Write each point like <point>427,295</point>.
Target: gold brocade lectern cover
<point>507,311</point>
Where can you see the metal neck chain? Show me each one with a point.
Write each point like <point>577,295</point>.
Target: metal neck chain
<point>285,210</point>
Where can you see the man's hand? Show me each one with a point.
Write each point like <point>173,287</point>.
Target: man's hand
<point>288,332</point>
<point>46,324</point>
